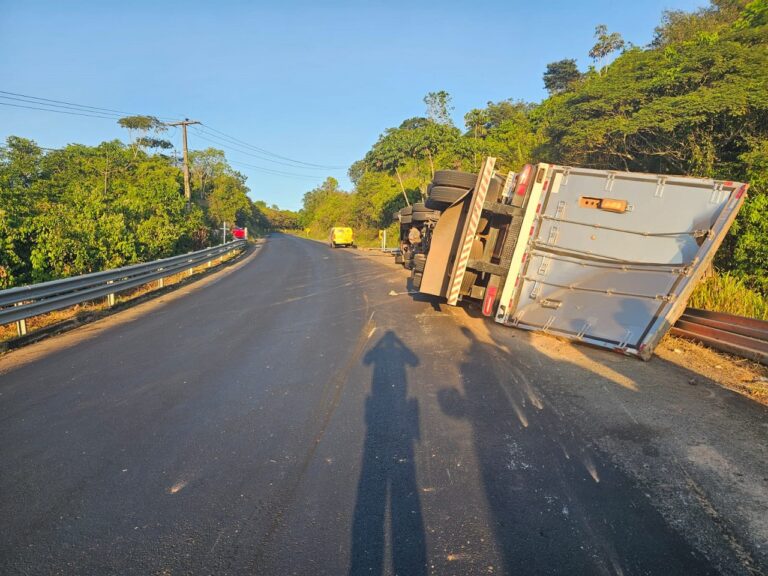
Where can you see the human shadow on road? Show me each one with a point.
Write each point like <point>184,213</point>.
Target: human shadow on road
<point>388,477</point>
<point>556,505</point>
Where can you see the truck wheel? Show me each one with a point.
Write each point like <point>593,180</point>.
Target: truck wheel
<point>429,214</point>
<point>419,262</point>
<point>454,178</point>
<point>436,205</point>
<point>416,280</point>
<point>447,194</point>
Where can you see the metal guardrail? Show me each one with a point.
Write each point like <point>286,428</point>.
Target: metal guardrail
<point>18,304</point>
<point>747,337</point>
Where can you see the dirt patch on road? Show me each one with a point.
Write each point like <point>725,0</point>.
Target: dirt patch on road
<point>738,374</point>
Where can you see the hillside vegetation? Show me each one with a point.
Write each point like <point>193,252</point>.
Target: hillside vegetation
<point>87,208</point>
<point>693,102</point>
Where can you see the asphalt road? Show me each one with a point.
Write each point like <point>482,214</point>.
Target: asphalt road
<point>304,414</point>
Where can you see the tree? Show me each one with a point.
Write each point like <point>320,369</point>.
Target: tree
<point>390,152</point>
<point>356,171</point>
<point>228,201</point>
<point>606,44</point>
<point>327,206</point>
<point>439,107</point>
<point>204,165</point>
<point>476,121</point>
<point>144,126</point>
<point>560,75</point>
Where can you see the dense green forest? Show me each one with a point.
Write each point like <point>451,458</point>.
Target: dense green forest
<point>695,102</point>
<point>82,208</point>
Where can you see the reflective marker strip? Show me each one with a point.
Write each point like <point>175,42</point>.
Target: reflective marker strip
<point>470,229</point>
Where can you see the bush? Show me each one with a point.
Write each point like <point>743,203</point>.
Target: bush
<point>728,293</point>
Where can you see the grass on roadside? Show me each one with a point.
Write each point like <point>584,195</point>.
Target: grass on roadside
<point>728,293</point>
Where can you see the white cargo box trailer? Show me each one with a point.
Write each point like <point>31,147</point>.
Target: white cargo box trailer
<point>608,258</point>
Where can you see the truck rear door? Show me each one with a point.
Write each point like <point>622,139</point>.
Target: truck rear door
<point>613,256</point>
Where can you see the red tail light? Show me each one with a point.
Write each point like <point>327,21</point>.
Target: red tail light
<point>490,298</point>
<point>523,179</point>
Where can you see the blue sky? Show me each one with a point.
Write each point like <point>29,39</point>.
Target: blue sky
<point>312,81</point>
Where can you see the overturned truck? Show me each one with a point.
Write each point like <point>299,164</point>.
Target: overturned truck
<point>604,257</point>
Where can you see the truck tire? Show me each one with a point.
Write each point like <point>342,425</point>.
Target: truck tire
<point>464,181</point>
<point>436,205</point>
<point>416,280</point>
<point>455,179</point>
<point>419,262</point>
<point>406,219</point>
<point>447,194</point>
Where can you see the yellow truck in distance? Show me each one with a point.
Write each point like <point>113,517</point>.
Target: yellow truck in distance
<point>341,236</point>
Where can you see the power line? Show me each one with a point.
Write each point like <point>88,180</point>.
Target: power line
<point>270,171</point>
<point>226,144</point>
<point>43,102</point>
<point>268,153</point>
<point>220,142</point>
<point>205,132</point>
<point>57,111</point>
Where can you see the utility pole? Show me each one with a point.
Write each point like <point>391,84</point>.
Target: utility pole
<point>184,123</point>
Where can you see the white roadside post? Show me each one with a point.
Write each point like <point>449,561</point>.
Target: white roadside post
<point>110,297</point>
<point>21,325</point>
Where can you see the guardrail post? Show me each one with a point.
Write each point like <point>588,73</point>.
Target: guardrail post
<point>110,297</point>
<point>21,325</point>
